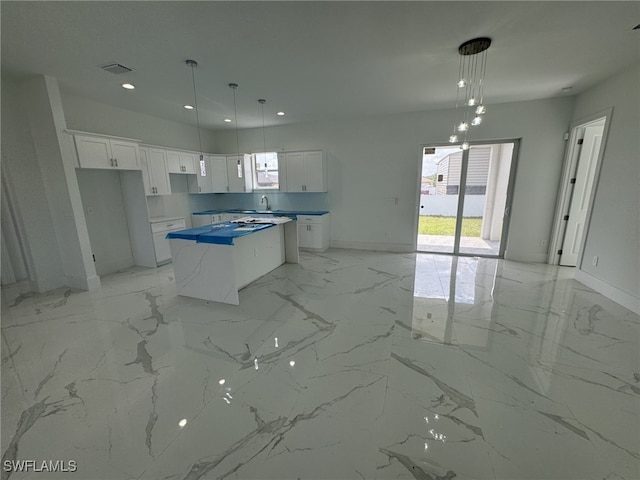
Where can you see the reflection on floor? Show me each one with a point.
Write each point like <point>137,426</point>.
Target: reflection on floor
<point>469,245</point>
<point>342,367</point>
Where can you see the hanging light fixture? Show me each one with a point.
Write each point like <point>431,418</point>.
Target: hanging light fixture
<point>193,64</point>
<point>234,87</point>
<point>470,87</point>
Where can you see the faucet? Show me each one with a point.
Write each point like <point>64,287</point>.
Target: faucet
<point>264,199</point>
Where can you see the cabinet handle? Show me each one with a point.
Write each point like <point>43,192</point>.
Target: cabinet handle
<point>116,160</point>
<point>200,189</point>
<point>111,161</point>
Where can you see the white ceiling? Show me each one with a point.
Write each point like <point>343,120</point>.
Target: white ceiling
<point>314,60</point>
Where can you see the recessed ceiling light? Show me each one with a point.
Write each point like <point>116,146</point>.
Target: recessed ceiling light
<point>189,107</point>
<point>128,86</point>
<point>280,114</point>
<point>227,120</point>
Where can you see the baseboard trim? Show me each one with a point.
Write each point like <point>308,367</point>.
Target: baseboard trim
<point>381,247</point>
<point>613,293</point>
<point>83,283</point>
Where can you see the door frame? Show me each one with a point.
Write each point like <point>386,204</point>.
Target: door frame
<point>565,191</point>
<point>508,203</point>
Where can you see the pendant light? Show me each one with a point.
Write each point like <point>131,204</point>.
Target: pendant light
<point>470,87</point>
<point>234,87</point>
<point>193,64</point>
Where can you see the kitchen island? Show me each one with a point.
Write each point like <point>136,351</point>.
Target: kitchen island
<point>213,262</point>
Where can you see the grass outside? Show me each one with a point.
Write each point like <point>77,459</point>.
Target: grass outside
<point>436,225</point>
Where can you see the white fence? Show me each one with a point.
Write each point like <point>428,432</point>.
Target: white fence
<point>447,205</point>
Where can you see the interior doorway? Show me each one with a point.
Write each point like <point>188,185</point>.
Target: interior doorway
<point>577,188</point>
<point>465,198</point>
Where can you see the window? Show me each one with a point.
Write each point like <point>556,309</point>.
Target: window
<point>265,171</point>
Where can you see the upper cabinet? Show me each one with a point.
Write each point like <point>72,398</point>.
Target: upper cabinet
<point>182,162</point>
<point>154,171</point>
<point>305,171</point>
<point>107,152</point>
<point>239,173</point>
<point>211,176</point>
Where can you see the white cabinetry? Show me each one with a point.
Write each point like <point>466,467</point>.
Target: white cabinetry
<point>239,173</point>
<point>154,171</point>
<point>305,171</point>
<point>106,152</point>
<point>214,179</point>
<point>181,162</point>
<point>160,243</point>
<point>313,232</point>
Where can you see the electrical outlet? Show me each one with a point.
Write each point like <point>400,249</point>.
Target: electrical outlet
<point>594,261</point>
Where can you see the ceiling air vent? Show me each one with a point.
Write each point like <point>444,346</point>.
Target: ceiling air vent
<point>637,27</point>
<point>115,68</point>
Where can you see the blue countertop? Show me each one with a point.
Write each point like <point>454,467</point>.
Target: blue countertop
<point>274,212</point>
<point>219,233</point>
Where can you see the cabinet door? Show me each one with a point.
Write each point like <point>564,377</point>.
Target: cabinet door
<point>218,172</point>
<point>314,172</point>
<point>188,162</point>
<point>125,154</point>
<point>235,173</point>
<point>93,152</point>
<point>203,177</point>
<point>314,239</point>
<point>146,173</point>
<point>303,235</point>
<point>295,171</point>
<point>161,244</point>
<point>158,171</point>
<point>173,162</point>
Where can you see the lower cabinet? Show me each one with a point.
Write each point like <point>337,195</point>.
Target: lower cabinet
<point>160,243</point>
<point>313,232</point>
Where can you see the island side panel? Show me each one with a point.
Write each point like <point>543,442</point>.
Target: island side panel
<point>204,270</point>
<point>257,254</point>
<point>292,254</point>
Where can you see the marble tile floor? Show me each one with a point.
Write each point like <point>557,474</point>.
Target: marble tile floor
<point>350,365</point>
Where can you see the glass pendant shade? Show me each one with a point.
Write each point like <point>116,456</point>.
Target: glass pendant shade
<point>463,127</point>
<point>453,139</point>
<point>471,102</point>
<point>480,109</point>
<point>462,83</point>
<point>465,146</point>
<point>476,121</point>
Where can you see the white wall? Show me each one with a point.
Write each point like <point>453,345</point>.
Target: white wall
<point>103,204</point>
<point>57,238</point>
<point>21,169</point>
<point>377,159</point>
<point>614,229</point>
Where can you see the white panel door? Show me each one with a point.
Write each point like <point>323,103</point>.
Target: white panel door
<point>93,152</point>
<point>125,155</point>
<point>157,163</point>
<point>314,172</point>
<point>173,162</point>
<point>235,173</point>
<point>295,171</point>
<point>581,196</point>
<point>189,161</point>
<point>218,172</point>
<point>146,171</point>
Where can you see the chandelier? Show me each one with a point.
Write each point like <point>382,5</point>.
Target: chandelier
<point>470,92</point>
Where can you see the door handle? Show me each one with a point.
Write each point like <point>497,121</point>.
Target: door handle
<point>507,211</point>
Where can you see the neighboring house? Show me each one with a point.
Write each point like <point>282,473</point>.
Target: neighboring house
<point>449,168</point>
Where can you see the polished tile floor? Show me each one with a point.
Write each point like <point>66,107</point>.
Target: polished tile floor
<point>351,365</point>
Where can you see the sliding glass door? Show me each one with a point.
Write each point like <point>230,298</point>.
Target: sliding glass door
<point>464,199</point>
